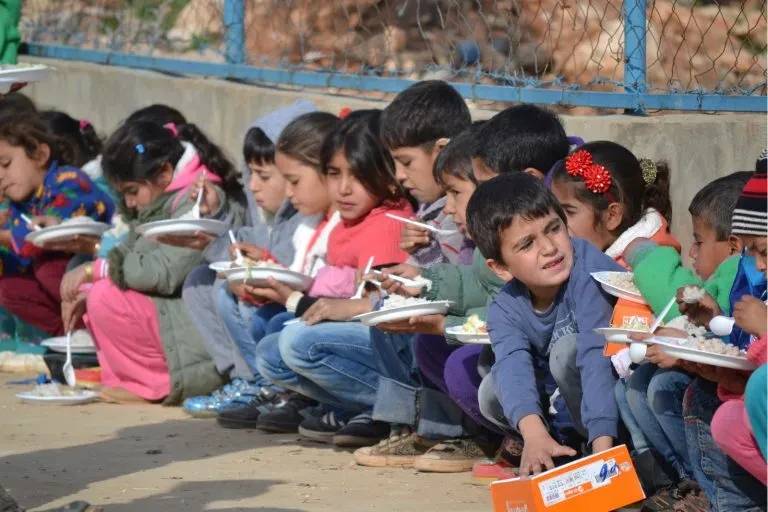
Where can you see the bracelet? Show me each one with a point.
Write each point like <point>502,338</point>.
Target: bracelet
<point>89,272</point>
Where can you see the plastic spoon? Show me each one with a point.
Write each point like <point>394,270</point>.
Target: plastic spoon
<point>196,208</point>
<point>404,281</point>
<point>359,293</point>
<point>721,325</point>
<point>433,229</point>
<point>238,253</point>
<point>68,370</point>
<point>29,221</point>
<point>664,312</point>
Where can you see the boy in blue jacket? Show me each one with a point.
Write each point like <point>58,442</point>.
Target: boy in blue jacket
<point>520,229</point>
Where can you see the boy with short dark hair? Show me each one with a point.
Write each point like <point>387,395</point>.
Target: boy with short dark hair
<point>416,126</point>
<point>520,229</point>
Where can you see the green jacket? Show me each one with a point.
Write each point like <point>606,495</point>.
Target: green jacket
<point>659,274</point>
<point>470,287</point>
<point>159,272</point>
<point>10,37</point>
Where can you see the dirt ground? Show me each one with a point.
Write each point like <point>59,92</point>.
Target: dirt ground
<point>156,459</point>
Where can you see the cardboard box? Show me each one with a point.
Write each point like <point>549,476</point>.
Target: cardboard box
<point>623,312</point>
<point>599,483</point>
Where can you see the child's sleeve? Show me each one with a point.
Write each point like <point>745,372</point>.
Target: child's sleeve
<point>593,308</point>
<point>457,283</point>
<point>382,242</point>
<point>514,378</point>
<point>150,267</point>
<point>334,282</point>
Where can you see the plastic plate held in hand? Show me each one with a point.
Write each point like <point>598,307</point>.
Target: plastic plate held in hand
<point>607,281</point>
<point>256,276</point>
<point>474,338</point>
<point>404,312</point>
<point>182,227</point>
<point>689,352</point>
<point>66,231</point>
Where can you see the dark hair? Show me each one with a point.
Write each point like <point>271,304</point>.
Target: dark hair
<point>628,185</point>
<point>26,129</point>
<point>495,204</point>
<point>357,135</point>
<point>258,148</point>
<point>138,151</point>
<point>455,159</point>
<point>715,202</point>
<point>522,137</point>
<point>422,114</point>
<point>303,138</point>
<point>15,101</point>
<point>82,138</point>
<point>158,114</point>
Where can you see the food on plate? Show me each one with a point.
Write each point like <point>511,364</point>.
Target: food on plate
<point>635,323</point>
<point>250,263</point>
<point>52,389</point>
<point>423,280</point>
<point>82,338</point>
<point>623,280</point>
<point>474,325</point>
<point>718,346</point>
<point>693,294</point>
<point>398,301</point>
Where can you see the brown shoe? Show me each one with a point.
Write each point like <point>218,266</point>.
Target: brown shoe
<point>397,451</point>
<point>452,456</point>
<point>693,502</point>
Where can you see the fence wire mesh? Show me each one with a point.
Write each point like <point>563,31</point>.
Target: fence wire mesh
<point>691,45</point>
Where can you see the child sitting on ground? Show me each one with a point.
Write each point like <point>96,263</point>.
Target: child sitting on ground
<point>520,229</point>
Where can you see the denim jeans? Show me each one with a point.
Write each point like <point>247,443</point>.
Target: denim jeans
<point>201,289</point>
<point>639,442</point>
<point>655,398</point>
<point>406,397</point>
<point>247,325</point>
<point>491,408</point>
<point>727,485</point>
<point>331,362</point>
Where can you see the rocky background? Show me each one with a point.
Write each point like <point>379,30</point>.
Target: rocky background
<point>691,44</point>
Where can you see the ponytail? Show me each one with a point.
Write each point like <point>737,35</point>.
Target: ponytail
<point>657,181</point>
<point>81,137</point>
<point>212,157</point>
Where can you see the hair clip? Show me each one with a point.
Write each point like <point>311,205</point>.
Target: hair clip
<point>343,113</point>
<point>84,123</point>
<point>140,149</point>
<point>650,171</point>
<point>171,127</point>
<point>596,178</point>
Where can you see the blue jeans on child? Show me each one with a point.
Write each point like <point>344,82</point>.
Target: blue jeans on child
<point>727,485</point>
<point>330,362</point>
<point>639,441</point>
<point>248,324</point>
<point>655,398</point>
<point>405,397</point>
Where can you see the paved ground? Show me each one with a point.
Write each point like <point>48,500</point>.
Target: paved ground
<point>155,459</point>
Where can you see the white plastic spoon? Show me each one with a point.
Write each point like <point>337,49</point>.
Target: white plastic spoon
<point>721,325</point>
<point>29,221</point>
<point>196,208</point>
<point>238,253</point>
<point>433,229</point>
<point>68,370</point>
<point>404,280</point>
<point>664,312</point>
<point>359,293</point>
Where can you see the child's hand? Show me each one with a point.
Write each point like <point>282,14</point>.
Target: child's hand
<point>72,312</point>
<point>701,312</point>
<point>413,238</point>
<point>751,315</point>
<point>657,356</point>
<point>71,282</point>
<point>210,203</point>
<point>538,447</point>
<point>275,291</point>
<point>337,310</point>
<point>393,287</point>
<point>250,251</point>
<point>429,324</point>
<point>44,221</point>
<point>199,241</point>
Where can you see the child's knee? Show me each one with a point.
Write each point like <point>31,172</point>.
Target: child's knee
<point>103,301</point>
<point>562,358</point>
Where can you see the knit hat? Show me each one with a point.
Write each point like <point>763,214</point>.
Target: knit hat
<point>750,216</point>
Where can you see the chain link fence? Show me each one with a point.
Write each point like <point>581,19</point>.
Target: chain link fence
<point>691,46</point>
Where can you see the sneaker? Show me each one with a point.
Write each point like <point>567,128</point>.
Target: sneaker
<point>487,471</point>
<point>397,451</point>
<point>322,428</point>
<point>452,456</point>
<point>207,406</point>
<point>287,417</point>
<point>693,502</point>
<point>361,430</point>
<point>244,412</point>
<point>685,496</point>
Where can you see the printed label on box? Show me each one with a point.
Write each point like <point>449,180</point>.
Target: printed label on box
<point>579,481</point>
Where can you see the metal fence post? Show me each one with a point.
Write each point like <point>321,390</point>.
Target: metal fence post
<point>634,49</point>
<point>234,23</point>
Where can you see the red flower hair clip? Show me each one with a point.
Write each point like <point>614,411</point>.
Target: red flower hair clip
<point>596,178</point>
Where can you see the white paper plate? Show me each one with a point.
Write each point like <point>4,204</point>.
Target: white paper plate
<point>65,232</point>
<point>602,278</point>
<point>688,352</point>
<point>618,335</point>
<point>182,227</point>
<point>60,345</point>
<point>468,338</point>
<point>404,312</point>
<point>220,266</point>
<point>256,276</point>
<point>82,396</point>
<point>14,75</point>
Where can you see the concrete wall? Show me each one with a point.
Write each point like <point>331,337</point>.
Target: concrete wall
<point>697,147</point>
